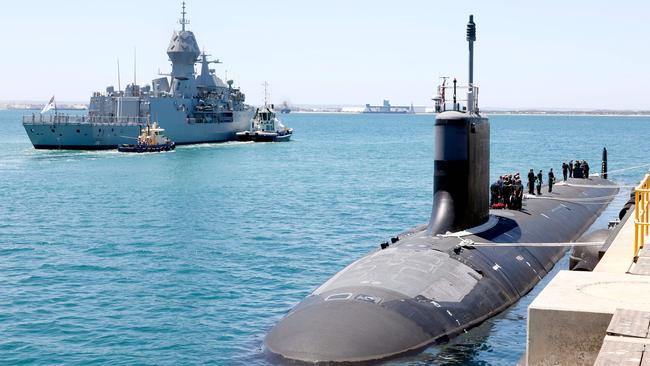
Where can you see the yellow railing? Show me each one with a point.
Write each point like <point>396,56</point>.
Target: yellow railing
<point>641,213</point>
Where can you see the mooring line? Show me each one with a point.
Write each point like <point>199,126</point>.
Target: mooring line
<point>466,243</point>
<point>576,200</point>
<point>621,170</point>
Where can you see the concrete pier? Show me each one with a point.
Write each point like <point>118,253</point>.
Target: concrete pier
<point>573,322</point>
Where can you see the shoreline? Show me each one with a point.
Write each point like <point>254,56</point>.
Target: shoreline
<point>641,114</point>
<point>548,114</point>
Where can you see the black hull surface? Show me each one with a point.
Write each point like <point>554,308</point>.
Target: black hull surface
<point>113,147</point>
<point>421,289</point>
<point>264,137</point>
<point>146,148</point>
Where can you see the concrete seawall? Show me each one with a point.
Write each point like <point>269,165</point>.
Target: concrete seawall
<point>600,317</point>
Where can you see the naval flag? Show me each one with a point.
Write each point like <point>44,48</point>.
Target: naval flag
<point>51,104</point>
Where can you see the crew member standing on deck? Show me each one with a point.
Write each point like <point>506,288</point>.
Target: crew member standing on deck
<point>539,182</point>
<point>551,180</point>
<point>519,194</point>
<point>577,170</point>
<point>585,168</point>
<point>494,191</point>
<point>507,193</point>
<point>565,169</point>
<point>531,182</point>
<point>571,169</point>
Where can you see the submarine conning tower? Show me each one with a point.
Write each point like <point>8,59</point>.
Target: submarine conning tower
<point>462,155</point>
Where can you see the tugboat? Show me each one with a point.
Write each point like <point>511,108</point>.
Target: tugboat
<point>150,140</point>
<point>265,126</point>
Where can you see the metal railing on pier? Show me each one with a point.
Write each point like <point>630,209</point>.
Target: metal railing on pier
<point>63,119</point>
<point>641,213</point>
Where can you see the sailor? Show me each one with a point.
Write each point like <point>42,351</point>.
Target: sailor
<point>577,171</point>
<point>494,191</point>
<point>539,182</point>
<point>551,180</point>
<point>585,169</point>
<point>571,169</point>
<point>507,193</point>
<point>565,169</point>
<point>519,194</point>
<point>515,187</point>
<point>531,182</point>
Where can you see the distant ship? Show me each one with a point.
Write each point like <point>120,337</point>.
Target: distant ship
<point>285,108</point>
<point>191,108</point>
<point>387,108</point>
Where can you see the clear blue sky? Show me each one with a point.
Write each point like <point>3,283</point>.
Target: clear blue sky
<point>553,54</point>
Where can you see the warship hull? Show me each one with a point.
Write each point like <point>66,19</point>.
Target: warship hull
<point>420,290</point>
<point>102,136</point>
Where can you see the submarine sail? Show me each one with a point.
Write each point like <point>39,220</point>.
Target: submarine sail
<point>426,285</point>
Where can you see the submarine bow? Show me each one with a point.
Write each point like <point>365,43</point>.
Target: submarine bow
<point>425,289</point>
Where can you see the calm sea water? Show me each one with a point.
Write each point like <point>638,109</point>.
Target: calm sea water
<point>189,257</point>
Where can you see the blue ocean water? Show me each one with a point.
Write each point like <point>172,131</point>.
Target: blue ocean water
<point>189,257</point>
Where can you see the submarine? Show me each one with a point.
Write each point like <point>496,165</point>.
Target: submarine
<point>438,280</point>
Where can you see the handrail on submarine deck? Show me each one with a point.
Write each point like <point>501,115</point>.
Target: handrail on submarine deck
<point>641,213</point>
<point>450,98</point>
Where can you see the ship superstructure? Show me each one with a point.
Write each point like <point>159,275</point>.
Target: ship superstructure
<point>386,107</point>
<point>192,108</point>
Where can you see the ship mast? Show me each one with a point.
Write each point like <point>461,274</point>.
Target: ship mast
<point>183,21</point>
<point>266,94</point>
<point>471,37</point>
<point>119,82</point>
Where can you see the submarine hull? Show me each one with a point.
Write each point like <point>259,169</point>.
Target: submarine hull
<point>425,289</point>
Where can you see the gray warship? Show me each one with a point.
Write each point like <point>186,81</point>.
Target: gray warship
<point>436,281</point>
<point>191,108</point>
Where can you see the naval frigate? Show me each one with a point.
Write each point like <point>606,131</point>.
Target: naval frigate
<point>191,108</point>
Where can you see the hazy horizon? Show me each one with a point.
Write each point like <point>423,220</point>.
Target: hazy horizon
<point>320,105</point>
<point>555,54</point>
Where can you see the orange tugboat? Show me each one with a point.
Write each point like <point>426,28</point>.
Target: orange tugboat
<point>151,139</point>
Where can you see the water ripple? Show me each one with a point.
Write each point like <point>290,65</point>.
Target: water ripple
<point>190,257</point>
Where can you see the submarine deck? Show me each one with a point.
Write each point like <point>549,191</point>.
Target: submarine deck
<point>423,289</point>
